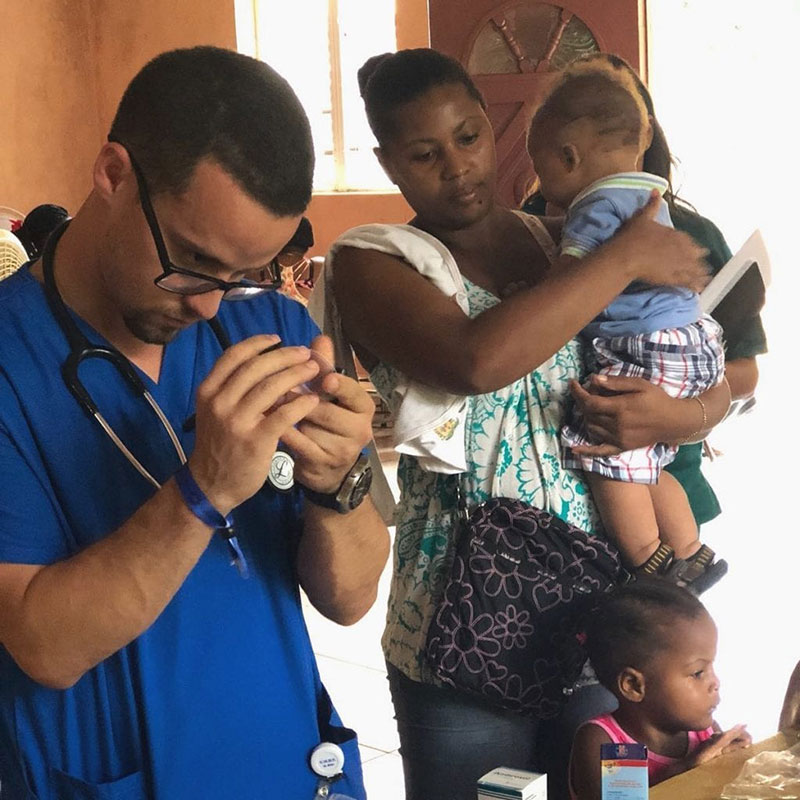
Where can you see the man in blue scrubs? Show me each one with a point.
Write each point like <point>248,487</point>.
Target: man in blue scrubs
<point>136,662</point>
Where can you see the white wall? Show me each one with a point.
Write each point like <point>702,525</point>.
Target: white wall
<point>724,82</point>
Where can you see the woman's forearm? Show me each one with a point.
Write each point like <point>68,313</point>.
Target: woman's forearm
<point>514,337</point>
<point>403,320</point>
<point>517,335</point>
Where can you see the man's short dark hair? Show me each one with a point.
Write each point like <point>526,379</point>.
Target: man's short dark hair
<point>206,102</point>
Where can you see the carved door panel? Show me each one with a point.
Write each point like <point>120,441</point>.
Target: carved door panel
<point>513,50</point>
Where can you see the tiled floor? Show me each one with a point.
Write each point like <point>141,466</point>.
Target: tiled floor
<point>352,667</point>
<point>755,606</point>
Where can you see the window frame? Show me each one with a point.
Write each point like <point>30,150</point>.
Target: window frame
<point>248,20</point>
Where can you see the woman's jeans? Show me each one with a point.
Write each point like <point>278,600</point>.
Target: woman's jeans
<point>448,739</point>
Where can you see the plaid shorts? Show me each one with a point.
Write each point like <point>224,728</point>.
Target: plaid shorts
<point>684,362</point>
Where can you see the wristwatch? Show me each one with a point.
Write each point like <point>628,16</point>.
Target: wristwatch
<point>351,492</point>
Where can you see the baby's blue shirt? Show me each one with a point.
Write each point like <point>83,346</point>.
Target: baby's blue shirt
<point>593,217</point>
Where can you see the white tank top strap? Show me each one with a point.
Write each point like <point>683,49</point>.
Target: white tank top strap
<point>540,233</point>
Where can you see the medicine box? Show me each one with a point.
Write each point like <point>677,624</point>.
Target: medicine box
<point>506,783</point>
<point>623,769</point>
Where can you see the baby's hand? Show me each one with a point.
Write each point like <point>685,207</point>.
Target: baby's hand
<point>720,743</point>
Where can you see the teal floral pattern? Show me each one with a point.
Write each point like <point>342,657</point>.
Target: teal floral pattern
<point>512,451</point>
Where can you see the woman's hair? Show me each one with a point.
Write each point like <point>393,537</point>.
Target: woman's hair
<point>391,80</point>
<point>598,93</point>
<point>632,625</point>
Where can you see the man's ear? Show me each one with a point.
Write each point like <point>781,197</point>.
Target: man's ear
<point>630,684</point>
<point>570,156</point>
<point>384,162</point>
<point>112,168</point>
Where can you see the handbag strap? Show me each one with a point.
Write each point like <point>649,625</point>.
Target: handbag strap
<point>462,512</point>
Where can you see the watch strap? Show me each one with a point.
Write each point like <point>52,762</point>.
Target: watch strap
<point>334,500</point>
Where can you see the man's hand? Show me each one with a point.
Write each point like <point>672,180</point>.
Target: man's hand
<point>238,422</point>
<point>328,440</point>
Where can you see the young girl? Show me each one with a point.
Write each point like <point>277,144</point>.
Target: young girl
<point>652,644</point>
<point>586,141</point>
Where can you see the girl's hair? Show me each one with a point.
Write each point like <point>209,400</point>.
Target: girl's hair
<point>391,80</point>
<point>632,625</point>
<point>601,94</point>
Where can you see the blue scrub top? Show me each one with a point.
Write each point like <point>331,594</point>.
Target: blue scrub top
<point>218,698</point>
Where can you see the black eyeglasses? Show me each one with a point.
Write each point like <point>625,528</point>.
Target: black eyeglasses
<point>185,282</point>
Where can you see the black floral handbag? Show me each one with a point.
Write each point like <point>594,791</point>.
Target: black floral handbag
<point>508,625</point>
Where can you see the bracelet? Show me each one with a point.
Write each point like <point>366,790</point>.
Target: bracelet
<point>198,503</point>
<point>704,423</point>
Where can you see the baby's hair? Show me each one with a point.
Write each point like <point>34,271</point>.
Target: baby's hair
<point>657,157</point>
<point>391,80</point>
<point>605,96</point>
<point>632,625</point>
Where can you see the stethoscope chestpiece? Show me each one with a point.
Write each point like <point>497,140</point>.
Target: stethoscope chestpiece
<point>281,472</point>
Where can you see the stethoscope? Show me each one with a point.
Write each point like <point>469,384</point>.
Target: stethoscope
<point>281,474</point>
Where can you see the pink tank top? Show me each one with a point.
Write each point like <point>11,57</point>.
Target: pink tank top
<point>655,763</point>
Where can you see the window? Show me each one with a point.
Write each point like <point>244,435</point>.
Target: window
<point>318,46</point>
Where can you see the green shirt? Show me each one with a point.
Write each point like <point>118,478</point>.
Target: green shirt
<point>747,341</point>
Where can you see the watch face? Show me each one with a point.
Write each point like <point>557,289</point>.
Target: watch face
<point>361,488</point>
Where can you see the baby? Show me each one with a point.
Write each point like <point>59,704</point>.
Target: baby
<point>587,140</point>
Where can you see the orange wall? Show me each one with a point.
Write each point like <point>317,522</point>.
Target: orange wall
<point>332,214</point>
<point>128,34</point>
<point>70,61</point>
<point>411,22</point>
<point>47,96</point>
<point>64,65</point>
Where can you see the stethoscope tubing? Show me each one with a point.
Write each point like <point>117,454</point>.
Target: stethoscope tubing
<point>81,349</point>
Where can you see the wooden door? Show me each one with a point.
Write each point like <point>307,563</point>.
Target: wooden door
<point>513,50</point>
